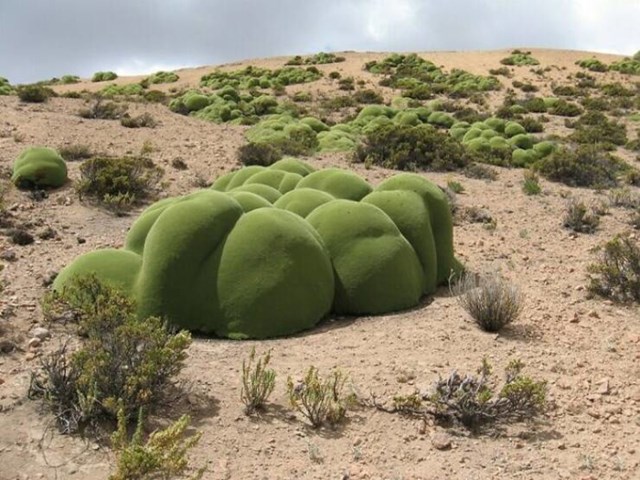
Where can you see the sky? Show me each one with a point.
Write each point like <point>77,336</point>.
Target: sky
<point>41,39</point>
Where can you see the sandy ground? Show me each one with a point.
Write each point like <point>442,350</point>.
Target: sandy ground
<point>588,350</point>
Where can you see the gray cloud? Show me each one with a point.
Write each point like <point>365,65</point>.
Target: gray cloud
<point>44,38</point>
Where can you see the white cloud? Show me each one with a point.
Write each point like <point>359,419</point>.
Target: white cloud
<point>387,18</point>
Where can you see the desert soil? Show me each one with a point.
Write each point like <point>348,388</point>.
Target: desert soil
<point>587,349</point>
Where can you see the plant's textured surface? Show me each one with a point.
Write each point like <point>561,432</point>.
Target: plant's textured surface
<point>39,167</point>
<point>271,251</point>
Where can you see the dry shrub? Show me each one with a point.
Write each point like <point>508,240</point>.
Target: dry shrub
<point>616,274</point>
<point>491,301</point>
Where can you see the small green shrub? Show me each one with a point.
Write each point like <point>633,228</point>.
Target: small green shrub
<point>531,183</point>
<point>491,301</point>
<point>319,400</point>
<point>624,197</point>
<point>455,187</point>
<point>617,273</point>
<point>480,171</point>
<point>258,382</point>
<point>130,89</point>
<point>140,121</point>
<point>103,76</point>
<point>69,79</point>
<point>579,219</point>
<point>118,180</point>
<point>317,59</point>
<point>34,93</point>
<point>162,456</point>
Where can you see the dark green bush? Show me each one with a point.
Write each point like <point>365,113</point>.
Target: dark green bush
<point>565,109</point>
<point>346,83</point>
<point>34,93</point>
<point>334,75</point>
<point>368,96</point>
<point>258,154</point>
<point>585,166</point>
<point>317,59</point>
<point>593,64</point>
<point>118,182</point>
<point>124,363</point>
<point>595,128</point>
<point>616,90</point>
<point>617,274</point>
<point>504,71</point>
<point>404,147</point>
<point>104,76</point>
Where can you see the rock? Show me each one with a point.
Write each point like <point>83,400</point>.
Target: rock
<point>41,333</point>
<point>603,387</point>
<point>575,319</point>
<point>8,255</point>
<point>593,314</point>
<point>34,342</point>
<point>441,441</point>
<point>49,278</point>
<point>81,240</point>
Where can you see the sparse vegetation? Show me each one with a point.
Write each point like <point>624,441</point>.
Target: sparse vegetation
<point>530,183</point>
<point>75,151</point>
<point>161,77</point>
<point>616,274</point>
<point>258,154</point>
<point>258,382</point>
<point>140,121</point>
<point>317,59</point>
<point>103,110</point>
<point>578,218</point>
<point>490,300</point>
<point>321,401</point>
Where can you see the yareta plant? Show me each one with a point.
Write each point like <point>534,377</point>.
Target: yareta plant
<point>271,251</point>
<point>38,167</point>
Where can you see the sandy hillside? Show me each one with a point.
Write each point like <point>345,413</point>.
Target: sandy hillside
<point>587,349</point>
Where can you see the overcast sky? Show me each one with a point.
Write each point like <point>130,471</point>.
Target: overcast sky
<point>40,39</point>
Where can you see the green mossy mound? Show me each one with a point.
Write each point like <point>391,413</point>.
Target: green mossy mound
<point>355,234</point>
<point>271,251</point>
<point>38,167</point>
<point>338,183</point>
<point>5,87</point>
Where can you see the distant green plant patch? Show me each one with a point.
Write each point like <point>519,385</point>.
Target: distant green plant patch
<point>128,89</point>
<point>267,252</point>
<point>519,58</point>
<point>104,76</point>
<point>321,58</point>
<point>630,66</point>
<point>421,79</point>
<point>256,77</point>
<point>5,87</point>
<point>593,64</point>
<point>161,77</point>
